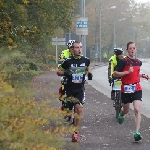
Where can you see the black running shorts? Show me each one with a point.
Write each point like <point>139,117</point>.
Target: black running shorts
<point>78,96</point>
<point>130,97</point>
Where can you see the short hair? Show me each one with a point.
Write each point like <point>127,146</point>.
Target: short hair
<point>129,44</point>
<point>75,42</point>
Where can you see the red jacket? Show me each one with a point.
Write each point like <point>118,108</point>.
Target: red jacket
<point>134,77</point>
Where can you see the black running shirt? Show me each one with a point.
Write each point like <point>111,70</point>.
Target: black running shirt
<point>78,67</point>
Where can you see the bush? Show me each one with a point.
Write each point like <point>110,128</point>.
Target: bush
<point>27,124</point>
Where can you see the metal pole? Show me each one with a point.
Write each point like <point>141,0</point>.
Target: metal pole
<point>85,45</point>
<point>69,35</point>
<point>114,33</point>
<point>83,8</point>
<point>100,35</point>
<point>56,52</point>
<point>81,15</point>
<point>84,36</point>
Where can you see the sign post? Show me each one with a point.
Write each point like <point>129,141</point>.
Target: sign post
<point>58,41</point>
<point>82,29</point>
<point>82,26</point>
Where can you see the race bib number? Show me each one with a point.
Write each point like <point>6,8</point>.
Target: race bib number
<point>117,85</point>
<point>129,88</point>
<point>77,78</point>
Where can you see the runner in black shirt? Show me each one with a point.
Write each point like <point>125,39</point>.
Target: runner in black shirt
<point>75,69</point>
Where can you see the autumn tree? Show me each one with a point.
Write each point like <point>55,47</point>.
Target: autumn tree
<point>26,29</point>
<point>122,23</point>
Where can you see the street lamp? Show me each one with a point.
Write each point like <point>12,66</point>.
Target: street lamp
<point>115,29</point>
<point>100,33</point>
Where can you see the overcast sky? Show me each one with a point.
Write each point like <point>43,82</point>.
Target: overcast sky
<point>142,1</point>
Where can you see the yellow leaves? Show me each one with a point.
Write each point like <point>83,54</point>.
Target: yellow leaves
<point>47,132</point>
<point>29,121</point>
<point>1,35</point>
<point>44,121</point>
<point>41,146</point>
<point>42,104</point>
<point>10,47</point>
<point>22,28</point>
<point>1,79</point>
<point>10,41</point>
<point>25,1</point>
<point>62,130</point>
<point>26,34</point>
<point>4,101</point>
<point>11,44</point>
<point>52,148</point>
<point>2,4</point>
<point>40,121</point>
<point>56,130</point>
<point>51,32</point>
<point>5,88</point>
<point>37,120</point>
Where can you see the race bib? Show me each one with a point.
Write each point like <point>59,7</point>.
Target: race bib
<point>117,85</point>
<point>77,78</point>
<point>129,88</point>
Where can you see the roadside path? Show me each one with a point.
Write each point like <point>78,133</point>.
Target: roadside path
<point>99,130</point>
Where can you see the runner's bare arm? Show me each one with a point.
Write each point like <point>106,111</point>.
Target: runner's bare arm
<point>123,73</point>
<point>88,70</point>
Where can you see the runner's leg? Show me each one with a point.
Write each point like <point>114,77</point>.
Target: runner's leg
<point>77,122</point>
<point>78,115</point>
<point>125,108</point>
<point>137,105</point>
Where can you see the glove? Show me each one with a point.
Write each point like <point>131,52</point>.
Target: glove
<point>110,80</point>
<point>68,73</point>
<point>90,76</point>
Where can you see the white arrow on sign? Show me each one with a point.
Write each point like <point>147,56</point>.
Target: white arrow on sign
<point>58,39</point>
<point>58,43</point>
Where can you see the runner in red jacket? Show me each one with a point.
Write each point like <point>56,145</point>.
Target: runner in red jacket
<point>131,91</point>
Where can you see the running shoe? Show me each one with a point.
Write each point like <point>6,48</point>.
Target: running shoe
<point>67,118</point>
<point>137,136</point>
<point>121,118</point>
<point>75,137</point>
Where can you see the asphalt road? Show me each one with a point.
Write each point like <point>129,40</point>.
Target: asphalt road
<point>99,130</point>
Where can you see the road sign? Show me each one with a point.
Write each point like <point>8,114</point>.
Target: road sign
<point>58,41</point>
<point>82,26</point>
